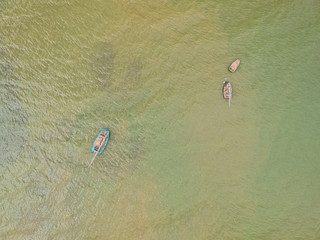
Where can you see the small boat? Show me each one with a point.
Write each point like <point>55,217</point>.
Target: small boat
<point>227,89</point>
<point>233,67</point>
<point>100,143</point>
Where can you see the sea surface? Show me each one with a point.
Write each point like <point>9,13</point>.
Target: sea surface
<point>180,163</point>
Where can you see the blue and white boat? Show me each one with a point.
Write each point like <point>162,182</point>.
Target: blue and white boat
<point>100,143</point>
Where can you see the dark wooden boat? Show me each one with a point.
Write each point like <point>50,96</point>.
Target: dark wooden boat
<point>100,143</point>
<point>227,90</point>
<point>233,67</point>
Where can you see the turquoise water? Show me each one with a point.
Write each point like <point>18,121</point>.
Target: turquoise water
<point>181,163</point>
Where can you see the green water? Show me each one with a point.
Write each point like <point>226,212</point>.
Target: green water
<point>180,164</point>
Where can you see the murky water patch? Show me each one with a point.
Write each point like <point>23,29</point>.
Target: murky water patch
<point>103,64</point>
<point>13,117</point>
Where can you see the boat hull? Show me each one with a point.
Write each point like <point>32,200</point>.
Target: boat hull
<point>233,67</point>
<point>227,90</point>
<point>101,142</point>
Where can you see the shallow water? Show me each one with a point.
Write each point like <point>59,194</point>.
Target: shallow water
<point>180,163</point>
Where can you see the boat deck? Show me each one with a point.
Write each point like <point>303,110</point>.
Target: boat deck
<point>227,90</point>
<point>101,142</point>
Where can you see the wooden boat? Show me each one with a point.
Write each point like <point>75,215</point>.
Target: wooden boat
<point>233,67</point>
<point>227,90</point>
<point>100,143</point>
